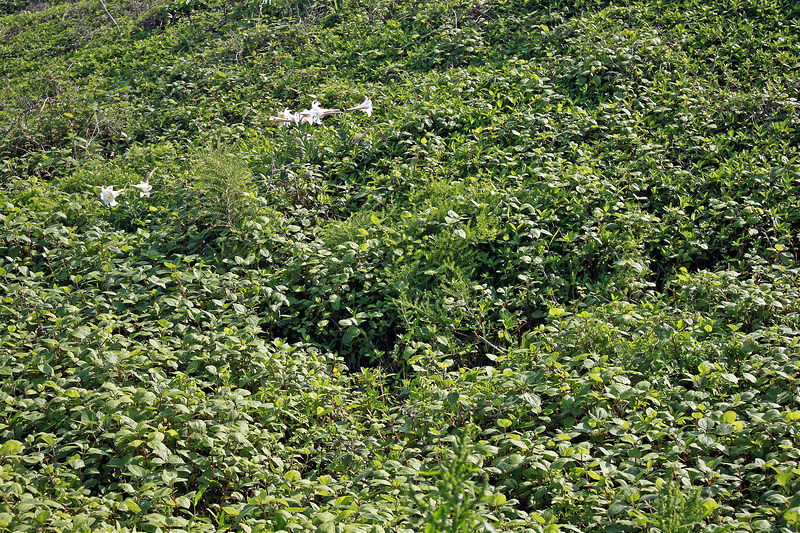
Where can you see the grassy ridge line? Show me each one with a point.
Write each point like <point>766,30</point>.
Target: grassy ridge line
<point>581,261</point>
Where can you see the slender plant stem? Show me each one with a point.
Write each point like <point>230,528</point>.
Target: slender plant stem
<point>109,16</point>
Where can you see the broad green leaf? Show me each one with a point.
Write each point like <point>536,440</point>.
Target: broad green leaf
<point>560,463</point>
<point>731,378</point>
<point>136,470</point>
<point>761,525</point>
<point>792,515</point>
<point>351,333</point>
<point>42,516</point>
<point>452,399</point>
<point>11,447</point>
<point>132,506</point>
<point>709,505</point>
<point>775,498</point>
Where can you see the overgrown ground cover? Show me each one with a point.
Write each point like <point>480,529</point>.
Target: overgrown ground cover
<point>550,284</point>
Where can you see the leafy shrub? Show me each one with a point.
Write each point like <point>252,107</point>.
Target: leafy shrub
<point>226,188</point>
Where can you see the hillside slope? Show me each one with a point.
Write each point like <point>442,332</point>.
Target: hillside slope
<point>549,283</point>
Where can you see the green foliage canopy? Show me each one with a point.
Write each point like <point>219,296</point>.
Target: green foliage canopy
<point>550,284</point>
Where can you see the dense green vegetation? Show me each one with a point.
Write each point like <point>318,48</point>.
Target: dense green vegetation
<point>550,284</point>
